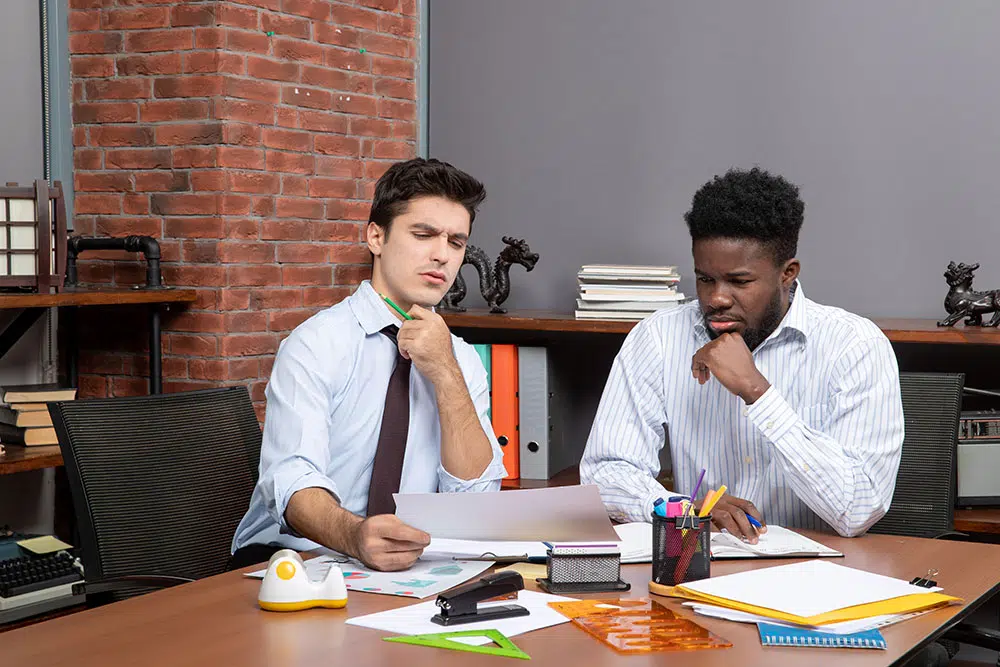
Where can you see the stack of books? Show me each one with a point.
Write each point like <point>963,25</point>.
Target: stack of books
<point>25,419</point>
<point>626,292</point>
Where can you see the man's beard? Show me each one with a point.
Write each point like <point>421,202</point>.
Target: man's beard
<point>754,336</point>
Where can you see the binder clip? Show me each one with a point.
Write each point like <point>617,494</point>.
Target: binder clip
<point>584,569</point>
<point>925,582</point>
<point>287,587</point>
<point>462,604</point>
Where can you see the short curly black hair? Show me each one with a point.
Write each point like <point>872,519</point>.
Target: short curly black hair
<point>750,204</point>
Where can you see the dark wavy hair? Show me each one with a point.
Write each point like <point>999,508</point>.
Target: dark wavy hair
<point>750,204</point>
<point>422,177</point>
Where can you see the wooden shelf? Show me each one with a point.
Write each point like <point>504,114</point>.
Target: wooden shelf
<point>977,521</point>
<point>23,459</point>
<point>897,330</point>
<point>532,320</point>
<point>966,521</point>
<point>97,297</point>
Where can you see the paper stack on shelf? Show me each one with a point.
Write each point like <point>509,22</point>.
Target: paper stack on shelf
<point>626,292</point>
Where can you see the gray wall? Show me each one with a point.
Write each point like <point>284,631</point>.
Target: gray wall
<point>592,123</point>
<point>26,499</point>
<point>21,91</point>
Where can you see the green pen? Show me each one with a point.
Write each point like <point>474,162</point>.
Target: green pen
<point>395,307</point>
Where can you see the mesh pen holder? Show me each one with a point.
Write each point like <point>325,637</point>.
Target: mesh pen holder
<point>681,549</point>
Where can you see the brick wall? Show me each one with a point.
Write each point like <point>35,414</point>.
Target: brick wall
<point>247,137</point>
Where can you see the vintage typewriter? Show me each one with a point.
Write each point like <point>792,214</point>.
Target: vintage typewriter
<point>32,583</point>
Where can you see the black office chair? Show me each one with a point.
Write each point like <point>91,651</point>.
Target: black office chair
<point>159,484</point>
<point>923,504</point>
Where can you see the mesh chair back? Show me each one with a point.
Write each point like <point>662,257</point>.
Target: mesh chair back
<point>924,501</point>
<point>159,483</point>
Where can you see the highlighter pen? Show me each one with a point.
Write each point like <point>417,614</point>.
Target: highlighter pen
<point>399,310</point>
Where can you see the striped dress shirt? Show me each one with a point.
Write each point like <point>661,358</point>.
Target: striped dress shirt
<point>820,448</point>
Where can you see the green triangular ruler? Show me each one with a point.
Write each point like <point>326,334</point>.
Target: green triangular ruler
<point>505,649</point>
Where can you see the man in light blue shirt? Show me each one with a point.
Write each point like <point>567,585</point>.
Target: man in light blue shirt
<point>328,388</point>
<point>794,405</point>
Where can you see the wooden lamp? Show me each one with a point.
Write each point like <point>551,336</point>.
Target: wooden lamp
<point>32,237</point>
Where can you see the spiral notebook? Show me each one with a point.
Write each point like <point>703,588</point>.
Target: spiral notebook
<point>782,635</point>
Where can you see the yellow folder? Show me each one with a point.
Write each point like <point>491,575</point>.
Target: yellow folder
<point>900,605</point>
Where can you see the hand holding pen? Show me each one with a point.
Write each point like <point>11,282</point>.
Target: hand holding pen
<point>738,516</point>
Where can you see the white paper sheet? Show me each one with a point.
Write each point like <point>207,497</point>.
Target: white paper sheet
<point>806,589</point>
<point>425,578</point>
<point>636,542</point>
<point>559,514</point>
<point>444,548</point>
<point>777,541</point>
<point>415,619</point>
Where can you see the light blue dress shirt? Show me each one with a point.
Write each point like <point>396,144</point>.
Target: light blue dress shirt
<point>325,401</point>
<point>820,448</point>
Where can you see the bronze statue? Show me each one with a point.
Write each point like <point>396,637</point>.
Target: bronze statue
<point>963,301</point>
<point>493,283</point>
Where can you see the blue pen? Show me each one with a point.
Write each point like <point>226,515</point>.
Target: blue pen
<point>754,522</point>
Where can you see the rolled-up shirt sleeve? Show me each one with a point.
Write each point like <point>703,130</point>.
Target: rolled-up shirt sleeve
<point>479,391</point>
<point>295,451</point>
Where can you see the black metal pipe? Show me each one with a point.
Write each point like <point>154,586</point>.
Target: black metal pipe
<point>155,368</point>
<point>147,245</point>
<point>150,248</point>
<point>68,326</point>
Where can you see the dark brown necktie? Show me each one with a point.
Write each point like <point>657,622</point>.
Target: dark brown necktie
<point>388,465</point>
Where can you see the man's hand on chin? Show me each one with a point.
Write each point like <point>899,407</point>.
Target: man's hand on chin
<point>729,359</point>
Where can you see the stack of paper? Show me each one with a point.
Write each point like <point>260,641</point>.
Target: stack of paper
<point>626,292</point>
<point>813,593</point>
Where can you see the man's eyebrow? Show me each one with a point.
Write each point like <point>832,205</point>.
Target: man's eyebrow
<point>742,273</point>
<point>426,227</point>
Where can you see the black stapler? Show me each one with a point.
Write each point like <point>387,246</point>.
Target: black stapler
<point>462,604</point>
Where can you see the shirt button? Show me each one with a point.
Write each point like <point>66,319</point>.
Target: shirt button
<point>746,412</point>
<point>769,424</point>
<point>748,460</point>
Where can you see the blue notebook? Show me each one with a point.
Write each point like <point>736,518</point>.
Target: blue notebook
<point>780,635</point>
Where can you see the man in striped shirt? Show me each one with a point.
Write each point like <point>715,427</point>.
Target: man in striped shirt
<point>795,406</point>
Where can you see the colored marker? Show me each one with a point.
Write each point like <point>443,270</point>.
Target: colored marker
<point>399,310</point>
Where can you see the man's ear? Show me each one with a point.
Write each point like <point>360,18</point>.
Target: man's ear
<point>375,237</point>
<point>790,272</point>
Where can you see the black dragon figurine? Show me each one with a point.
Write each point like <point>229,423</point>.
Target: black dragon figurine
<point>963,301</point>
<point>493,283</point>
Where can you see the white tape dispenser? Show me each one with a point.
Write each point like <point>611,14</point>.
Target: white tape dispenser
<point>287,587</point>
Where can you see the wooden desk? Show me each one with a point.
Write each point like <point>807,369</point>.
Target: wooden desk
<point>216,621</point>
